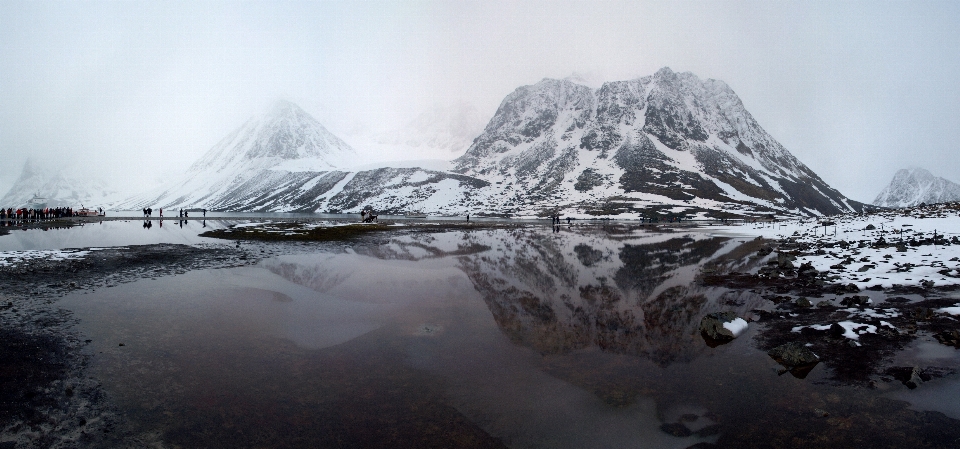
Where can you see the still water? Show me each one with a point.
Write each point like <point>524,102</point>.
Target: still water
<point>488,338</point>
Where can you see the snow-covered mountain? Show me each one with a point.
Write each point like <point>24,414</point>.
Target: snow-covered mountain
<point>669,141</point>
<point>285,160</point>
<point>57,187</point>
<point>668,144</point>
<point>253,164</point>
<point>911,187</point>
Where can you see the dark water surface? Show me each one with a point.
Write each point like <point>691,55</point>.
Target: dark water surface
<point>488,338</point>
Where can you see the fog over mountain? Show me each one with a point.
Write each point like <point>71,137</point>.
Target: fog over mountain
<point>138,91</point>
<point>52,186</point>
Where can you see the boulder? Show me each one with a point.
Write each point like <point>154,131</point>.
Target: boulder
<point>804,302</point>
<point>912,377</point>
<point>806,270</point>
<point>784,261</point>
<point>870,227</point>
<point>676,429</point>
<point>855,301</point>
<point>722,326</point>
<point>793,354</point>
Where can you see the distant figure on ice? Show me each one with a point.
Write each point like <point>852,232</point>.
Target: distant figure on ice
<point>161,212</point>
<point>204,213</point>
<point>468,217</point>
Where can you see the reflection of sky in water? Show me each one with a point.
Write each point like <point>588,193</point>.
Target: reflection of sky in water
<point>109,233</point>
<point>539,339</point>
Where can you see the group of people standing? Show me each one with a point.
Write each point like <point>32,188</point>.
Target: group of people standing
<point>184,213</point>
<point>24,214</point>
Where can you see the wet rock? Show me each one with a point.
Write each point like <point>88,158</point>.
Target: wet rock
<point>823,304</point>
<point>765,250</point>
<point>949,338</point>
<point>855,301</point>
<point>722,326</point>
<point>836,330</point>
<point>793,354</point>
<point>676,429</point>
<point>806,270</point>
<point>866,268</point>
<point>785,261</point>
<point>708,431</point>
<point>703,445</point>
<point>804,302</point>
<point>923,314</point>
<point>852,288</point>
<point>912,377</point>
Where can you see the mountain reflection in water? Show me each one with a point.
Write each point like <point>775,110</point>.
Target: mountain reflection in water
<point>632,294</point>
<point>484,338</point>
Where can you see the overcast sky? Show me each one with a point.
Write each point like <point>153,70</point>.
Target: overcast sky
<point>142,89</point>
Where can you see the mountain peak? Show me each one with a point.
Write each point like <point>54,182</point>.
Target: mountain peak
<point>285,137</point>
<point>913,186</point>
<point>648,141</point>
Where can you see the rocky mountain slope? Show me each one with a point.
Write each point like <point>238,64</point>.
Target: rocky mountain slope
<point>58,187</point>
<point>669,141</point>
<point>915,186</point>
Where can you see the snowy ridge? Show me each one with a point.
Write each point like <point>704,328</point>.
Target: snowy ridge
<point>915,186</point>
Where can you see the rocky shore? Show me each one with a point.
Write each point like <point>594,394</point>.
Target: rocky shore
<point>46,400</point>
